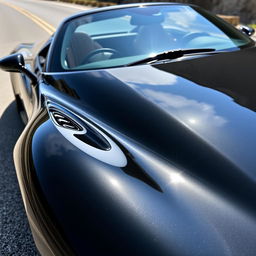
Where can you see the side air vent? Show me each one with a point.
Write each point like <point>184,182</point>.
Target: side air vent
<point>85,135</point>
<point>64,121</point>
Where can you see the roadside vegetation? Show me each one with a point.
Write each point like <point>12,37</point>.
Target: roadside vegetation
<point>92,3</point>
<point>252,25</point>
<point>216,7</point>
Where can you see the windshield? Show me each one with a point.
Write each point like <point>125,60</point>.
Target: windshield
<point>122,36</point>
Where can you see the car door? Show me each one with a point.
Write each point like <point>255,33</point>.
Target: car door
<point>22,86</point>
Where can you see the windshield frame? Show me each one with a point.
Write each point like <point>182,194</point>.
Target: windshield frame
<point>54,60</point>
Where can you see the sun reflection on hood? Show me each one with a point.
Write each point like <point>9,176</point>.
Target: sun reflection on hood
<point>145,75</point>
<point>190,111</point>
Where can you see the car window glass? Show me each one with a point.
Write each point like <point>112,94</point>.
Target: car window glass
<point>118,37</point>
<point>109,26</point>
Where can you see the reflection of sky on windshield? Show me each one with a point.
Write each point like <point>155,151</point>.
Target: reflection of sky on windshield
<point>183,17</point>
<point>186,18</point>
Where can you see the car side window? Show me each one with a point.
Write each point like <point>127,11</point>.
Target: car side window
<point>40,61</point>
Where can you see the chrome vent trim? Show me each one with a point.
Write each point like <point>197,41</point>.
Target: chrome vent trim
<point>85,135</point>
<point>63,120</point>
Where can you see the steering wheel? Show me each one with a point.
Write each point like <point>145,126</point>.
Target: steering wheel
<point>190,36</point>
<point>97,51</point>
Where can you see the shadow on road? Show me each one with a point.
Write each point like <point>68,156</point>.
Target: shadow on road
<point>15,235</point>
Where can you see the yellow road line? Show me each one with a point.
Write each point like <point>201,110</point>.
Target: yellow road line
<point>43,24</point>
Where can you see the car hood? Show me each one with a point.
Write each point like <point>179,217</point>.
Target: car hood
<point>172,108</point>
<point>187,129</point>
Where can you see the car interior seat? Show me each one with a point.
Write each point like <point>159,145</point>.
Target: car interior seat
<point>79,47</point>
<point>151,38</point>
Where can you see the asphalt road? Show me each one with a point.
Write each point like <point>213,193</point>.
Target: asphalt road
<point>20,21</point>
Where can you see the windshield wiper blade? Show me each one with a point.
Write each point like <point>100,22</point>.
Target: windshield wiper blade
<point>172,54</point>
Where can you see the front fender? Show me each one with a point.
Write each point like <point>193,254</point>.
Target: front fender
<point>79,205</point>
<point>46,232</point>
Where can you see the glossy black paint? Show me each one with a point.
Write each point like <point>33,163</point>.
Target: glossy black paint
<point>12,63</point>
<point>159,142</point>
<point>16,63</point>
<point>187,130</point>
<point>247,30</point>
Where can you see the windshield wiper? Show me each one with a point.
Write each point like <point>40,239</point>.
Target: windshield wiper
<point>172,54</point>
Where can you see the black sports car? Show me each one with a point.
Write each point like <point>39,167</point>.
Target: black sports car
<point>140,135</point>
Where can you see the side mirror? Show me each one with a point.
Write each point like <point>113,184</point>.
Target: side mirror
<point>246,30</point>
<point>16,63</point>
